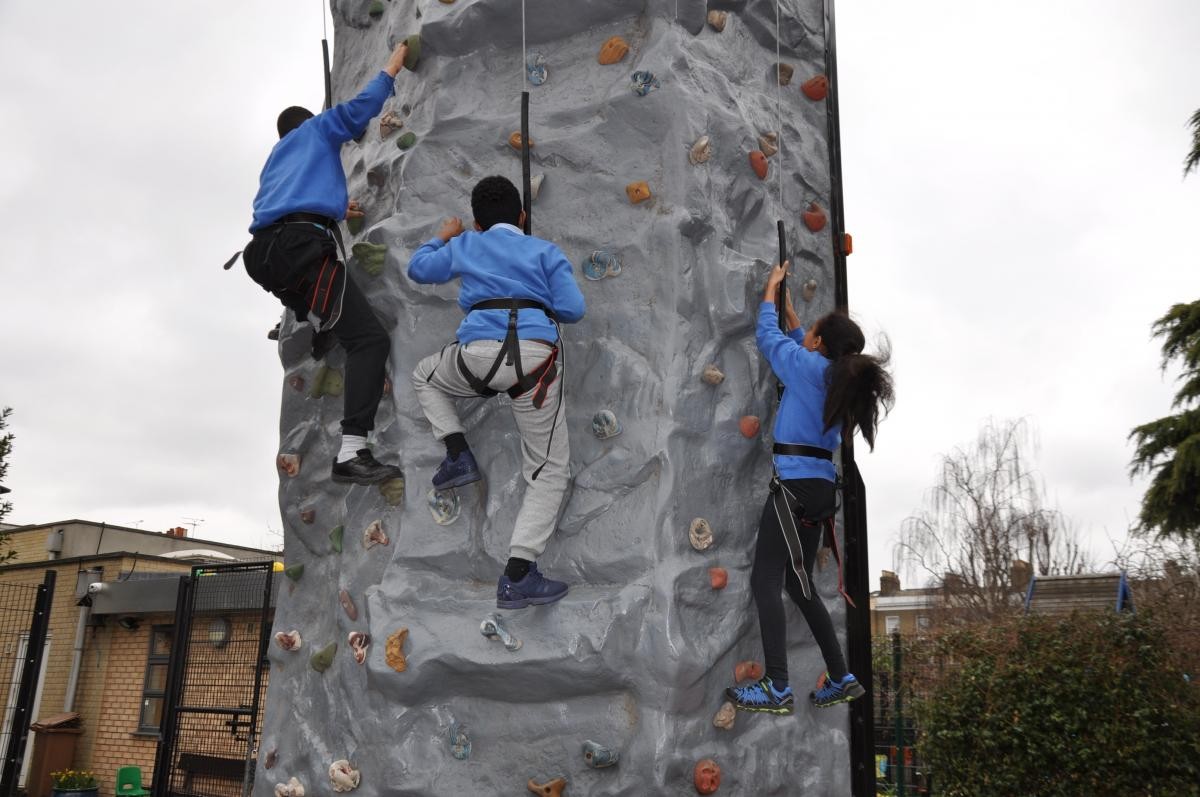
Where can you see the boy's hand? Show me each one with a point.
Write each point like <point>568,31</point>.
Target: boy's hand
<point>354,210</point>
<point>451,227</point>
<point>396,60</point>
<point>778,272</point>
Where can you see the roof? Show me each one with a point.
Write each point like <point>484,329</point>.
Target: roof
<point>157,534</point>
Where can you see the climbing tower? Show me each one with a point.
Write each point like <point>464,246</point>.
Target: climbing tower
<point>668,138</point>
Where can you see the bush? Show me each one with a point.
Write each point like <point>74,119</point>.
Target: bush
<point>1092,704</point>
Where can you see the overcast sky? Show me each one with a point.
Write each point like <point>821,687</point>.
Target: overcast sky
<point>1012,182</point>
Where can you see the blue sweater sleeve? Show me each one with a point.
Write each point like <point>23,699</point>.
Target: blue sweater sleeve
<point>349,119</point>
<point>790,361</point>
<point>431,263</point>
<point>567,299</point>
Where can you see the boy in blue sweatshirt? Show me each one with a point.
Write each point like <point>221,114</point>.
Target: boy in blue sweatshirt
<point>514,290</point>
<point>294,255</point>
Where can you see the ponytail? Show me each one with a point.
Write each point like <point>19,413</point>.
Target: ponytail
<point>858,384</point>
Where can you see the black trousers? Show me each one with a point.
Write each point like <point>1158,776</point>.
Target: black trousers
<point>287,260</point>
<point>772,573</point>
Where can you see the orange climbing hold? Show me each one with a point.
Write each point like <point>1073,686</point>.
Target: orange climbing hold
<point>814,217</point>
<point>815,88</point>
<point>847,244</point>
<point>613,50</point>
<point>749,426</point>
<point>758,162</point>
<point>514,141</point>
<point>747,671</point>
<point>706,776</point>
<point>718,577</point>
<point>638,192</point>
<point>551,788</point>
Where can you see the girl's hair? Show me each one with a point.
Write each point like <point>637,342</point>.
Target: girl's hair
<point>858,384</point>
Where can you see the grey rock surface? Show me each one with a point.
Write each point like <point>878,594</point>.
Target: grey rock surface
<point>636,657</point>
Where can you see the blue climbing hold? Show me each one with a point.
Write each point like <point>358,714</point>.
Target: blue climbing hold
<point>601,264</point>
<point>644,82</point>
<point>535,69</point>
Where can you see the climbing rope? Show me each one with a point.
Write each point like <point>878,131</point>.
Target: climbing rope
<point>325,59</point>
<point>526,185</point>
<point>782,297</point>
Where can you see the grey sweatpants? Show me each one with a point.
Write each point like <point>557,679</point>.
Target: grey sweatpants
<point>438,383</point>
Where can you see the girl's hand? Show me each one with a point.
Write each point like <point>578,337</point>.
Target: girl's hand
<point>778,272</point>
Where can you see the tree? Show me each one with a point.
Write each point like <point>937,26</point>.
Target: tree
<point>1169,448</point>
<point>1192,161</point>
<point>6,439</point>
<point>985,516</point>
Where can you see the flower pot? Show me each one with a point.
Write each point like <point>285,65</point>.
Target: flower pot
<point>92,791</point>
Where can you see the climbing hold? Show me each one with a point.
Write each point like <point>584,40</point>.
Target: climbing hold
<point>638,192</point>
<point>718,577</point>
<point>355,224</point>
<point>292,788</point>
<point>717,20</point>
<point>414,52</point>
<point>336,536</point>
<point>597,756</point>
<point>460,742</point>
<point>768,143</point>
<point>706,776</point>
<point>809,290</point>
<point>712,374</point>
<point>535,69</point>
<point>514,141</point>
<point>387,386</point>
<point>342,776</point>
<point>605,425</point>
<point>644,82</point>
<point>701,151</point>
<point>725,716</point>
<point>289,464</point>
<point>359,642</point>
<point>389,123</point>
<point>747,671</point>
<point>815,88</point>
<point>535,186</point>
<point>374,535</point>
<point>493,629</point>
<point>392,491</point>
<point>407,140</point>
<point>443,505</point>
<point>784,73</point>
<point>551,788</point>
<point>395,650</point>
<point>294,572</point>
<point>270,758</point>
<point>321,660</point>
<point>601,264</point>
<point>288,640</point>
<point>327,382</point>
<point>307,516</point>
<point>700,534</point>
<point>749,426</point>
<point>296,382</point>
<point>348,605</point>
<point>370,256</point>
<point>814,217</point>
<point>376,9</point>
<point>847,244</point>
<point>613,50</point>
<point>758,162</point>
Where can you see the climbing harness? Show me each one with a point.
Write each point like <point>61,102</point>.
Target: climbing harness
<point>539,379</point>
<point>789,512</point>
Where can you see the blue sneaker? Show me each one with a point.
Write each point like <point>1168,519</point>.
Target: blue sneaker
<point>761,696</point>
<point>456,472</point>
<point>830,692</point>
<point>533,590</point>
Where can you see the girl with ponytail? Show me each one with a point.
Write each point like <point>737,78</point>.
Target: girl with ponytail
<point>830,389</point>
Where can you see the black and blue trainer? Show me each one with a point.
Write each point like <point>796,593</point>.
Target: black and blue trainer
<point>830,692</point>
<point>533,590</point>
<point>762,696</point>
<point>457,471</point>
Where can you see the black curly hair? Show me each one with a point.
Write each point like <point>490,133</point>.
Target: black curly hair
<point>291,118</point>
<point>495,200</point>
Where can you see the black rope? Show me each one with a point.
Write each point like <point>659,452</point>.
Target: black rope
<point>525,180</point>
<point>328,84</point>
<point>781,298</point>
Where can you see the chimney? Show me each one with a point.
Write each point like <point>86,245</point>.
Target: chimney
<point>952,582</point>
<point>889,583</point>
<point>178,531</point>
<point>1019,574</point>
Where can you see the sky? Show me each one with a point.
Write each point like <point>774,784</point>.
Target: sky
<point>1012,180</point>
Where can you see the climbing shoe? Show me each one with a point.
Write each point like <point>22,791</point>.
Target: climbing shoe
<point>322,344</point>
<point>456,471</point>
<point>533,590</point>
<point>830,692</point>
<point>761,696</point>
<point>364,469</point>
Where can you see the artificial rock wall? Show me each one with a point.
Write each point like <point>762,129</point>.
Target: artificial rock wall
<point>636,657</point>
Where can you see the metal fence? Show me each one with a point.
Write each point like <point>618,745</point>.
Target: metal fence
<point>898,665</point>
<point>24,623</point>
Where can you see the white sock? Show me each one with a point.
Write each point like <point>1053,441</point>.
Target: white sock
<point>351,444</point>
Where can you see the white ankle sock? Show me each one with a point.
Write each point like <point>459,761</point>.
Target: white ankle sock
<point>351,443</point>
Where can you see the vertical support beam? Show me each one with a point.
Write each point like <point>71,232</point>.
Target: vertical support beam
<point>264,637</point>
<point>901,776</point>
<point>39,625</point>
<point>164,756</point>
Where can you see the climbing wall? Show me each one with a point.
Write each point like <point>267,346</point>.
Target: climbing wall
<point>636,657</point>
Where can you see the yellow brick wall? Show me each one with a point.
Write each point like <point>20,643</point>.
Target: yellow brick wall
<point>29,545</point>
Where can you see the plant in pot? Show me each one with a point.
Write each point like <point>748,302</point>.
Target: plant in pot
<point>75,783</point>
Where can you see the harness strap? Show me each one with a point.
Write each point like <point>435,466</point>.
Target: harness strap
<point>789,512</point>
<point>510,353</point>
<point>801,450</point>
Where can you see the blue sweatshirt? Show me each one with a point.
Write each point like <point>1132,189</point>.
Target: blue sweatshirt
<point>304,171</point>
<point>502,263</point>
<point>801,410</point>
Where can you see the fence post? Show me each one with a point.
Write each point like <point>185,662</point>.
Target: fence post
<point>898,720</point>
<point>39,625</point>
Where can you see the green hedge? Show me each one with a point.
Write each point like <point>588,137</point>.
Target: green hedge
<point>1094,704</point>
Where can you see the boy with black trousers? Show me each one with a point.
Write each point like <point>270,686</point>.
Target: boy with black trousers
<point>515,288</point>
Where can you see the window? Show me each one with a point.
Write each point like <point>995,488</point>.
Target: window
<point>922,623</point>
<point>893,623</point>
<point>154,689</point>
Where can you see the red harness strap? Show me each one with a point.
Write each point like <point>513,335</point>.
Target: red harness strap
<point>837,556</point>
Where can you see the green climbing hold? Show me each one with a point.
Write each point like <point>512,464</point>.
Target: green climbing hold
<point>414,52</point>
<point>321,660</point>
<point>376,9</point>
<point>335,538</point>
<point>370,257</point>
<point>392,491</point>
<point>355,224</point>
<point>294,572</point>
<point>327,382</point>
<point>407,140</point>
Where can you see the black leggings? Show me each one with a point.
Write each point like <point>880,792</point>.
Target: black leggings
<point>773,572</point>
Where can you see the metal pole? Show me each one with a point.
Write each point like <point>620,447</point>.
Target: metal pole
<point>264,635</point>
<point>38,626</point>
<point>525,179</point>
<point>898,720</point>
<point>328,79</point>
<point>165,755</point>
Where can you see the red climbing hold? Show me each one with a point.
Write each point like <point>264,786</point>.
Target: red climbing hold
<point>706,776</point>
<point>815,88</point>
<point>758,162</point>
<point>749,425</point>
<point>747,671</point>
<point>814,217</point>
<point>718,577</point>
